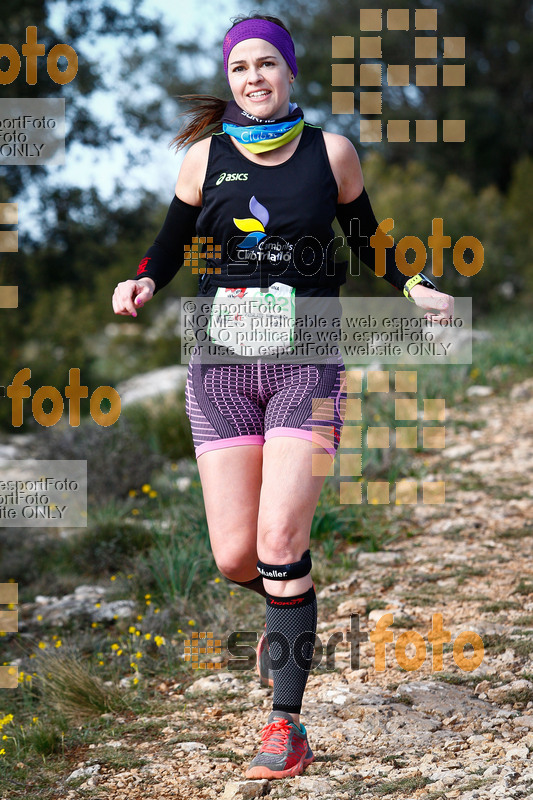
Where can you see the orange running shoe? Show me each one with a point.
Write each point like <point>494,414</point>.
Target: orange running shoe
<point>284,750</point>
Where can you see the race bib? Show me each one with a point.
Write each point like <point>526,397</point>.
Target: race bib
<point>252,322</point>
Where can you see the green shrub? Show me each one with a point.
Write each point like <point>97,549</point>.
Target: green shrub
<point>118,458</point>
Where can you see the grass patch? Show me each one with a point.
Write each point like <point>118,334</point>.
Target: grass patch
<point>374,603</point>
<point>466,572</point>
<point>231,754</point>
<point>409,784</point>
<point>516,533</point>
<point>525,586</point>
<point>500,605</point>
<point>164,424</point>
<point>519,697</point>
<point>499,644</point>
<point>395,760</point>
<point>403,698</point>
<point>404,621</point>
<point>119,758</point>
<point>525,621</point>
<point>68,685</point>
<point>460,679</point>
<point>419,599</point>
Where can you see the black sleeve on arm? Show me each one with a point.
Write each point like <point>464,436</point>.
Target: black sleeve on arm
<point>359,223</point>
<point>164,258</point>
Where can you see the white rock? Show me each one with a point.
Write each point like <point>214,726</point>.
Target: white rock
<point>479,391</point>
<point>356,605</point>
<point>519,752</point>
<point>83,772</point>
<point>152,384</point>
<point>245,790</point>
<point>380,557</point>
<point>189,747</point>
<point>376,613</point>
<point>499,693</point>
<point>525,721</point>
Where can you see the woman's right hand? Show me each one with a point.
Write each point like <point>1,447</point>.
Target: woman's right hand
<point>131,295</point>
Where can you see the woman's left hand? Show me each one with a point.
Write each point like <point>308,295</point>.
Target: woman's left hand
<point>440,305</point>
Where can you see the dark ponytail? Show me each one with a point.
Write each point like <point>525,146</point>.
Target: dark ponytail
<point>206,116</point>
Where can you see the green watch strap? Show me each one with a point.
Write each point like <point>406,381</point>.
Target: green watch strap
<point>409,285</point>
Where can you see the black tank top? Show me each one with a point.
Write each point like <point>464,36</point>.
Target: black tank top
<point>273,223</point>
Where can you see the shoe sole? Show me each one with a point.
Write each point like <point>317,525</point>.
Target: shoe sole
<point>265,772</point>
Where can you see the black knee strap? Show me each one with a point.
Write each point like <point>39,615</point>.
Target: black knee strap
<point>286,572</point>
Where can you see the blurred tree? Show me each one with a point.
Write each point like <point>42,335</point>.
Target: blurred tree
<point>494,101</point>
<point>85,21</point>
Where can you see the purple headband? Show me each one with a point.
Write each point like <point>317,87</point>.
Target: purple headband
<point>260,29</point>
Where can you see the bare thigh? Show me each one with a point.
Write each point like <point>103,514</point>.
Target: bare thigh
<point>289,495</point>
<point>231,485</point>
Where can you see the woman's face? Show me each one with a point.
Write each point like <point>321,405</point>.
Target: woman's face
<point>259,78</point>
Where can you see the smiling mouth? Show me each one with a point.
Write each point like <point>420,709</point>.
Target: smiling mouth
<point>259,96</point>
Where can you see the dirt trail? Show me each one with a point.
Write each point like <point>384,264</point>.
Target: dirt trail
<point>393,733</point>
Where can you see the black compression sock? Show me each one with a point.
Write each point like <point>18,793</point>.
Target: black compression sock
<point>256,585</point>
<point>291,629</point>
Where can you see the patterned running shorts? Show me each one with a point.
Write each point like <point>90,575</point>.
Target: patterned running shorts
<point>236,404</point>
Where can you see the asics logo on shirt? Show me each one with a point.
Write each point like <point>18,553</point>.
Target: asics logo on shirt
<point>231,176</point>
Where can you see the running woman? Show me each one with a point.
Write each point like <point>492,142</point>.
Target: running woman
<point>264,172</point>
